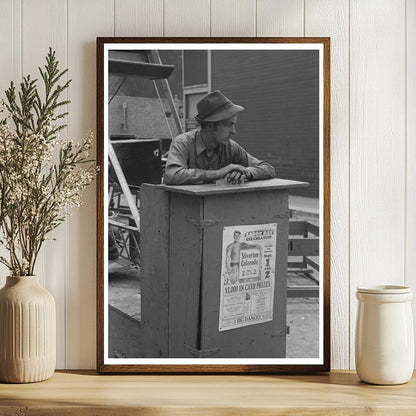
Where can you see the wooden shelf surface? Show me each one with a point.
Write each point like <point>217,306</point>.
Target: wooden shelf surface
<point>86,393</point>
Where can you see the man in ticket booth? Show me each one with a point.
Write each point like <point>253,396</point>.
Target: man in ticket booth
<point>208,153</point>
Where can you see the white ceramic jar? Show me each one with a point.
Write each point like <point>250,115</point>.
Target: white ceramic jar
<point>384,337</point>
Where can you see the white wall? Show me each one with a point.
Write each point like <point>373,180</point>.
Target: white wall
<point>373,132</point>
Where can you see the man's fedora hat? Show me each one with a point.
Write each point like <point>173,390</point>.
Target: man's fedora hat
<point>216,107</point>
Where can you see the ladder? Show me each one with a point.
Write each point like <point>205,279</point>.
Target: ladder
<point>149,66</point>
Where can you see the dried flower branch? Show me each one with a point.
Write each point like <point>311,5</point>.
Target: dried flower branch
<point>36,193</point>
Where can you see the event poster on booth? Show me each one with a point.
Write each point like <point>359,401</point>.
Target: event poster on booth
<point>247,275</point>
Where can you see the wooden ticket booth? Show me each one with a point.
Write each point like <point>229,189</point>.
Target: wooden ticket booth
<point>214,269</point>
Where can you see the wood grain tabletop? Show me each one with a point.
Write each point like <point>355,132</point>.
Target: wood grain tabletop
<point>85,393</point>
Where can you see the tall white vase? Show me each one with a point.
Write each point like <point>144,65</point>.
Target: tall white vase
<point>27,331</point>
<point>384,340</point>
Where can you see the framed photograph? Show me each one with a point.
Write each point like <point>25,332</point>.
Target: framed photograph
<point>213,205</point>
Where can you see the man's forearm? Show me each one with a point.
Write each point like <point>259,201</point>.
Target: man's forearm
<point>213,175</point>
<point>183,176</point>
<point>262,171</point>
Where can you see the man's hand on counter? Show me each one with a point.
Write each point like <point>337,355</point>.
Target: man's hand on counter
<point>232,167</point>
<point>236,177</point>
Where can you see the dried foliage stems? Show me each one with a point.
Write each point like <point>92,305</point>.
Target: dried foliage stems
<point>37,194</point>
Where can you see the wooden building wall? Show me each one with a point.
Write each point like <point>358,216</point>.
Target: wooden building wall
<point>280,94</point>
